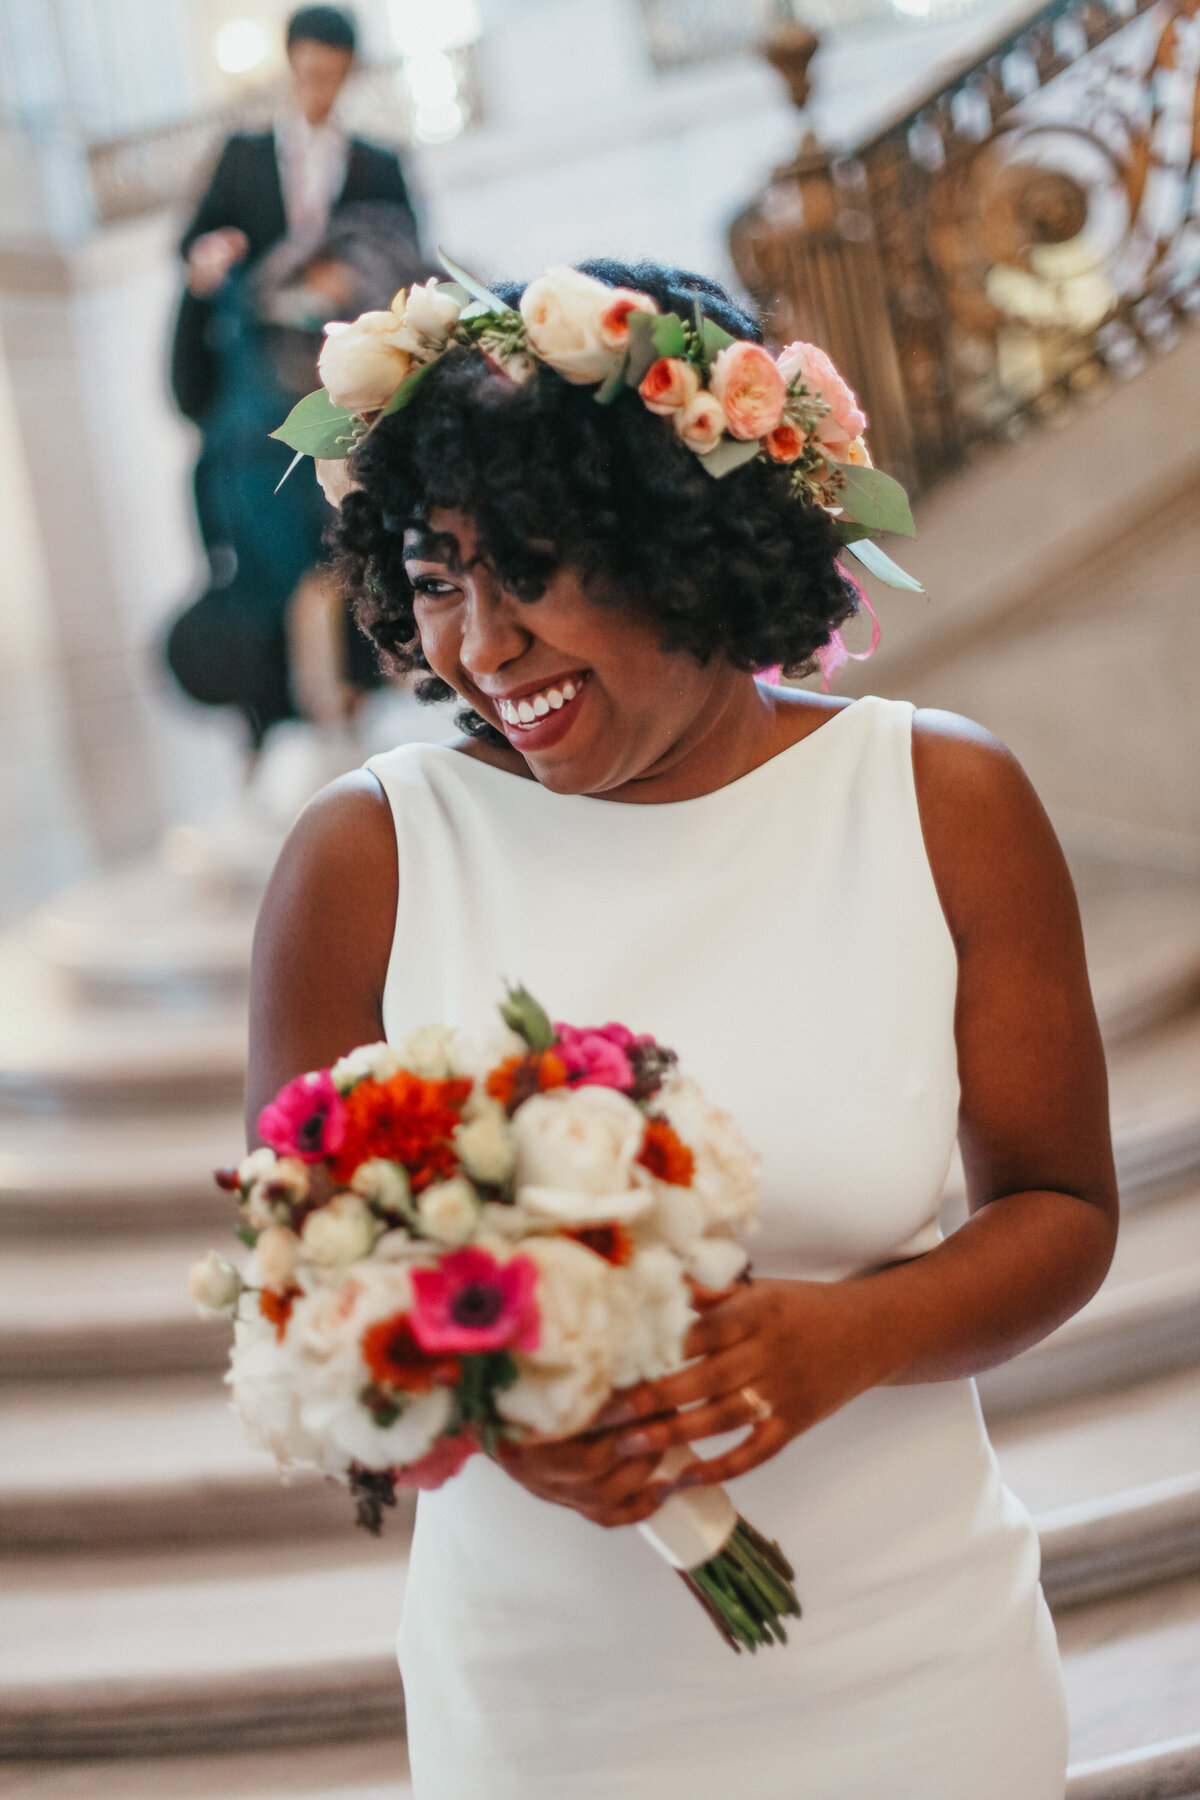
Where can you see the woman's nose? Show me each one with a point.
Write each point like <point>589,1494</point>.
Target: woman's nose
<point>494,632</point>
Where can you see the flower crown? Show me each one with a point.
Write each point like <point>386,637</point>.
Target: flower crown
<point>729,400</point>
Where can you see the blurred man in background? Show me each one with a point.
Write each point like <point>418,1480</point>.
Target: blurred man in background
<point>276,184</point>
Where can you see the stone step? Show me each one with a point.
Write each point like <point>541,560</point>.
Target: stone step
<point>151,928</point>
<point>1154,1083</point>
<point>201,1650</point>
<point>58,1053</point>
<point>378,1770</point>
<point>149,1655</point>
<point>1141,928</point>
<point>163,1460</point>
<point>92,1176</point>
<point>372,1769</point>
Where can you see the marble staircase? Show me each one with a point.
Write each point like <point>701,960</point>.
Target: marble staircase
<point>181,1624</point>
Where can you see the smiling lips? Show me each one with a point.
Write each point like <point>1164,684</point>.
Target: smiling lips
<point>531,709</point>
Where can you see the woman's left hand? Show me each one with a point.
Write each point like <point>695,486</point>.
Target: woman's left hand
<point>775,1355</point>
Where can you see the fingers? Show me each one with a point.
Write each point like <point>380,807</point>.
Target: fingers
<point>765,1441</point>
<point>709,1379</point>
<point>731,1412</point>
<point>721,1326</point>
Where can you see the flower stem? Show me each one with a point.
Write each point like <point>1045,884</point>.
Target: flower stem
<point>746,1590</point>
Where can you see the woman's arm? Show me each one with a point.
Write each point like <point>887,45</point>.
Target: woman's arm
<point>1035,1140</point>
<point>323,939</point>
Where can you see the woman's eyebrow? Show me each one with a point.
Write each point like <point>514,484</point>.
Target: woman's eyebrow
<point>433,546</point>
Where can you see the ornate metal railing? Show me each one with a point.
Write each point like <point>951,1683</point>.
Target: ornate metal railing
<point>1026,232</point>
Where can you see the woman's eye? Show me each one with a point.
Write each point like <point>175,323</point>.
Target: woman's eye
<point>431,587</point>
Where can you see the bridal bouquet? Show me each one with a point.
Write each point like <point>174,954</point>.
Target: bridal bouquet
<point>457,1243</point>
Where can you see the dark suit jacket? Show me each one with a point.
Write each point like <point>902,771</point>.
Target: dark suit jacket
<point>246,192</point>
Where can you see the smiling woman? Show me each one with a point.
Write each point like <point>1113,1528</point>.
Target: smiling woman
<point>855,924</point>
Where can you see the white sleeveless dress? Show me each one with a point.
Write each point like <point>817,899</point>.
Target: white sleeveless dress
<point>784,935</point>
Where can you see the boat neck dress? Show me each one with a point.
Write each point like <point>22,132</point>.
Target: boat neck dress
<point>783,934</point>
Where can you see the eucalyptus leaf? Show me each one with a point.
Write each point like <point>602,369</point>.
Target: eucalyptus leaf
<point>472,286</point>
<point>850,531</point>
<point>729,454</point>
<point>316,427</point>
<point>713,337</point>
<point>667,331</point>
<point>298,458</point>
<point>643,347</point>
<point>406,390</point>
<point>882,567</point>
<point>872,498</point>
<point>613,384</point>
<point>453,290</point>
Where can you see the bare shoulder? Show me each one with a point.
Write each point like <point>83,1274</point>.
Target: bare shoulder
<point>992,849</point>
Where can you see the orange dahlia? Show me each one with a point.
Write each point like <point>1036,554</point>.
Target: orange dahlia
<point>612,1241</point>
<point>666,1155</point>
<point>404,1120</point>
<point>396,1360</point>
<point>518,1078</point>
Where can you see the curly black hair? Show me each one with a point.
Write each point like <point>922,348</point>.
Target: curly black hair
<point>737,567</point>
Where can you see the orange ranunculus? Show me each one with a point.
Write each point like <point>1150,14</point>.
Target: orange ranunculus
<point>614,320</point>
<point>518,1078</point>
<point>404,1120</point>
<point>784,444</point>
<point>746,380</point>
<point>396,1360</point>
<point>666,1155</point>
<point>669,385</point>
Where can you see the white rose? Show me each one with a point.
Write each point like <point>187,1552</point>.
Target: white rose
<point>278,1252</point>
<point>258,1166</point>
<point>373,1062</point>
<point>563,310</point>
<point>428,1052</point>
<point>477,1053</point>
<point>716,1262</point>
<point>400,1246</point>
<point>575,1155</point>
<point>265,1380</point>
<point>485,1145</point>
<point>652,1313</point>
<point>449,1211</point>
<point>430,312</point>
<point>339,1233</point>
<point>568,1377</point>
<point>385,1184</point>
<point>362,363</point>
<point>327,1325</point>
<point>348,1426</point>
<point>215,1284</point>
<point>726,1176</point>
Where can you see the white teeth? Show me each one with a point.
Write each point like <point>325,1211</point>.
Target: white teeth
<point>537,706</point>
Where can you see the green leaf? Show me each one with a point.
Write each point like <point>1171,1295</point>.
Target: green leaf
<point>522,1013</point>
<point>406,390</point>
<point>298,458</point>
<point>713,338</point>
<point>849,531</point>
<point>455,290</point>
<point>729,454</point>
<point>316,427</point>
<point>666,329</point>
<point>873,499</point>
<point>643,349</point>
<point>613,384</point>
<point>472,286</point>
<point>882,567</point>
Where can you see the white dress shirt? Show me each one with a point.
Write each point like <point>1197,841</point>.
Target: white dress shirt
<point>312,170</point>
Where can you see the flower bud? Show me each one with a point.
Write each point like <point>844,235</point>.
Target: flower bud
<point>384,1184</point>
<point>215,1284</point>
<point>339,1233</point>
<point>449,1211</point>
<point>485,1147</point>
<point>277,1249</point>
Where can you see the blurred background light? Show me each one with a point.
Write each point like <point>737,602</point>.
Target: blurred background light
<point>419,27</point>
<point>241,45</point>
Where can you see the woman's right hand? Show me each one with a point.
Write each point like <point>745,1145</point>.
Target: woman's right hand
<point>586,1473</point>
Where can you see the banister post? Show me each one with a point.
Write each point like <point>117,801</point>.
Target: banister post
<point>806,252</point>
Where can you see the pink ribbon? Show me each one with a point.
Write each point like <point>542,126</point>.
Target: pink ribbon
<point>834,655</point>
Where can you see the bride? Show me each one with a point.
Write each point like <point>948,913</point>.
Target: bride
<point>855,925</point>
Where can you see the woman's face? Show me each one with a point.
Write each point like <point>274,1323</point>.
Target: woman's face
<point>582,690</point>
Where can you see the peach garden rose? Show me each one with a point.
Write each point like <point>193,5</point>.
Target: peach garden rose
<point>751,389</point>
<point>845,419</point>
<point>668,385</point>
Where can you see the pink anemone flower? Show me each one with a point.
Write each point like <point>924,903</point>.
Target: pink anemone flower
<point>444,1459</point>
<point>597,1056</point>
<point>305,1119</point>
<point>472,1303</point>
